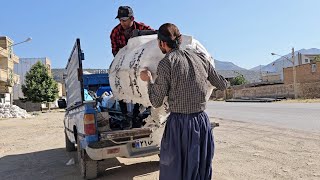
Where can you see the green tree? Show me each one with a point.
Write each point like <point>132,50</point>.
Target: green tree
<point>239,80</point>
<point>317,58</point>
<point>39,86</point>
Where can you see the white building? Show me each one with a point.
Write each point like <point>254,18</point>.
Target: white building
<point>22,68</point>
<point>305,58</point>
<point>278,66</point>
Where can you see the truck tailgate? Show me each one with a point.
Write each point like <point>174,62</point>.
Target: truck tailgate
<point>122,136</point>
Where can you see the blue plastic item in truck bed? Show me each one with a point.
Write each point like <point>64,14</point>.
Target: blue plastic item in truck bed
<point>103,89</point>
<point>98,83</point>
<point>95,80</point>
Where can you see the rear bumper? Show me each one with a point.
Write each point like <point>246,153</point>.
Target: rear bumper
<point>125,150</point>
<point>123,143</point>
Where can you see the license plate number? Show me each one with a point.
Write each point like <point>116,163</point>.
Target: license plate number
<point>142,143</point>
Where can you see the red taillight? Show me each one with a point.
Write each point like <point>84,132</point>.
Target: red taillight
<point>89,126</point>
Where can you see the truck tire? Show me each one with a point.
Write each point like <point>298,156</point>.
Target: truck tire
<point>88,167</point>
<point>69,145</point>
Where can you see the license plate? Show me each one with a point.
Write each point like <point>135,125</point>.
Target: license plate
<point>142,143</point>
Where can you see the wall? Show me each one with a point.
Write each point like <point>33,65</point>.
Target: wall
<point>304,74</point>
<point>304,59</point>
<point>59,89</point>
<point>28,106</point>
<point>309,90</point>
<point>217,95</point>
<point>7,62</point>
<point>271,78</point>
<point>265,91</point>
<point>4,88</point>
<point>304,90</point>
<point>63,89</point>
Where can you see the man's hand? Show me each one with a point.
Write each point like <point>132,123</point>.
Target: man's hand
<point>145,75</point>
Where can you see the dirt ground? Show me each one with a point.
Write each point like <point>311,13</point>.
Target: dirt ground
<point>34,149</point>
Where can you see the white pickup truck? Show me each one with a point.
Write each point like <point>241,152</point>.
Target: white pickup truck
<point>99,133</point>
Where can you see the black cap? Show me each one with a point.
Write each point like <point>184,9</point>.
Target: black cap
<point>124,11</point>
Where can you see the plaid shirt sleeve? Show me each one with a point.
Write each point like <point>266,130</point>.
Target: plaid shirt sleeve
<point>215,79</point>
<point>113,36</point>
<point>159,89</point>
<point>144,27</point>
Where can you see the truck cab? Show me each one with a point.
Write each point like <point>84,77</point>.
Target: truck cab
<point>95,130</point>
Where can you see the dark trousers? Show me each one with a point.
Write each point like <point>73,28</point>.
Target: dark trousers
<point>124,110</point>
<point>187,148</point>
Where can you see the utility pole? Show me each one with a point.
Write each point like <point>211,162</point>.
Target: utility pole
<point>294,75</point>
<point>260,73</point>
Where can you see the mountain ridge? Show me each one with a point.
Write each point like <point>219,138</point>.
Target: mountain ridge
<point>280,63</point>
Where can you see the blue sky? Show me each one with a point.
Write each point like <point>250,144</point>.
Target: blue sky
<point>244,32</point>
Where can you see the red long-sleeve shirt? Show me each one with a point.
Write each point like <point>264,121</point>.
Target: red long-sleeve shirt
<point>118,38</point>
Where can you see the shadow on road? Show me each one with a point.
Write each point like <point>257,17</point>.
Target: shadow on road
<point>119,171</point>
<point>51,164</point>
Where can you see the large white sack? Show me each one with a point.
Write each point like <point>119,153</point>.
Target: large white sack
<point>140,52</point>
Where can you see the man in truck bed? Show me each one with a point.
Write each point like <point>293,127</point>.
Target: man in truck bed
<point>123,31</point>
<point>187,145</point>
<point>119,38</point>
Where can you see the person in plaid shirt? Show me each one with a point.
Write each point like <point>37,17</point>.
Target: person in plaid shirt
<point>119,38</point>
<point>123,31</point>
<point>187,145</point>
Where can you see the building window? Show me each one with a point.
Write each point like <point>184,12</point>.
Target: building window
<point>313,67</point>
<point>306,60</point>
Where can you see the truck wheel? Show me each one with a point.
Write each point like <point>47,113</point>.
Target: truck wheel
<point>69,145</point>
<point>88,167</point>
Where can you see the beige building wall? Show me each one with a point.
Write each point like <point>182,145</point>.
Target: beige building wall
<point>64,89</point>
<point>7,61</point>
<point>304,90</point>
<point>271,78</point>
<point>59,89</point>
<point>305,73</point>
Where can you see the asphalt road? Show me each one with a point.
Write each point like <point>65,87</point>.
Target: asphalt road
<point>301,116</point>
